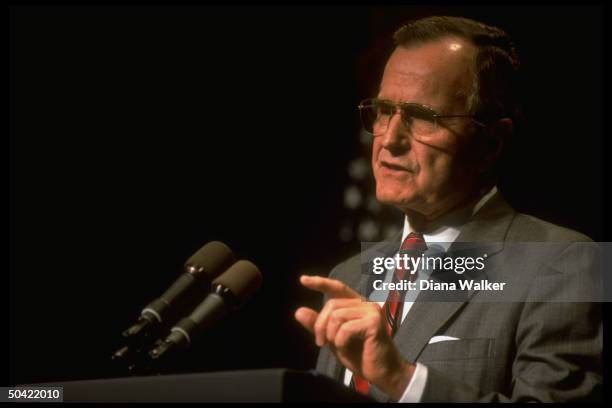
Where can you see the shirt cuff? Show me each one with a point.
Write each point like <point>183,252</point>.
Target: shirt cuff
<point>416,386</point>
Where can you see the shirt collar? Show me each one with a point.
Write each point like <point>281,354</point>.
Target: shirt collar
<point>450,224</point>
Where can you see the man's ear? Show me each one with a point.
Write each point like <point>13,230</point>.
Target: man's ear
<point>495,136</point>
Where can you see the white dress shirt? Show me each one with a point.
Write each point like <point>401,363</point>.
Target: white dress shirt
<point>438,239</point>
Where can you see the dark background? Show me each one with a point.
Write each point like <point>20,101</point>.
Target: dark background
<point>140,133</point>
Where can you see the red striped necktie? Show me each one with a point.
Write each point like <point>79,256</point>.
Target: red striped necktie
<point>413,246</point>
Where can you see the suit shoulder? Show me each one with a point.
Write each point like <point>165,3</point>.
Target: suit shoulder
<point>529,228</point>
<point>348,269</point>
<point>352,263</point>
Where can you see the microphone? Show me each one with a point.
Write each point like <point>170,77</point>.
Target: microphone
<point>200,269</point>
<point>229,291</point>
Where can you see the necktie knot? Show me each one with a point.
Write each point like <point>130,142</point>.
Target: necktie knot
<point>414,244</point>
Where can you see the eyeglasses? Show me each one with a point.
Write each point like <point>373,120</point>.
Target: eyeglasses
<point>419,119</point>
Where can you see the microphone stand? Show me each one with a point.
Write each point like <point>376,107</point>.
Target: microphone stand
<point>135,362</point>
<point>133,357</point>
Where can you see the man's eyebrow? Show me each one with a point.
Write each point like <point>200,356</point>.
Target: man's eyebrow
<point>438,110</point>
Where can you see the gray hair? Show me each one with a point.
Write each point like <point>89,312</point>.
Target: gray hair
<point>494,92</point>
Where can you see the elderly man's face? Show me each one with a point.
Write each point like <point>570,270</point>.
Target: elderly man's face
<point>429,173</point>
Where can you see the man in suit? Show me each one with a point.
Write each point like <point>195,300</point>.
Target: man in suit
<point>445,106</point>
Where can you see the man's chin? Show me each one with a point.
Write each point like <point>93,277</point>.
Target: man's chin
<point>399,199</point>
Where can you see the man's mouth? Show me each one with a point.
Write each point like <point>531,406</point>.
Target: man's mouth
<point>394,166</point>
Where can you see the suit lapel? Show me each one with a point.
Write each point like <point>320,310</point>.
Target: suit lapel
<point>428,314</point>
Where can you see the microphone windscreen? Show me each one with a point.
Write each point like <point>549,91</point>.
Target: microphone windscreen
<point>213,258</point>
<point>243,279</point>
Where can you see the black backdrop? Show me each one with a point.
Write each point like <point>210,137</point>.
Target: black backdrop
<point>140,133</point>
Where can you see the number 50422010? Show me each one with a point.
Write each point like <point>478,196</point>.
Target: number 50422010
<point>32,394</point>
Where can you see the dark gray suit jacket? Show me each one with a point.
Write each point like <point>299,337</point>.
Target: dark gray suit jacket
<point>513,351</point>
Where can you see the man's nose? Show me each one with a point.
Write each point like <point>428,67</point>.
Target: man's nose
<point>397,136</point>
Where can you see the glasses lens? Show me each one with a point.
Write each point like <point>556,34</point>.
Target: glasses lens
<point>419,119</point>
<point>375,115</point>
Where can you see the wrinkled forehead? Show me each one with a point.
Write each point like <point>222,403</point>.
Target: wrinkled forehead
<point>436,73</point>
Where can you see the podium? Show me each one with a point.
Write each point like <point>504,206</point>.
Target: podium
<point>266,385</point>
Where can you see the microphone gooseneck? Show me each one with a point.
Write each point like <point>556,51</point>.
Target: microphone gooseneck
<point>229,291</point>
<point>183,295</point>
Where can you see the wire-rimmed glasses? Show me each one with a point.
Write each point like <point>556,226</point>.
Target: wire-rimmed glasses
<point>420,119</point>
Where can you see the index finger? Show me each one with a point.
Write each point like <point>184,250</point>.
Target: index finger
<point>333,288</point>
